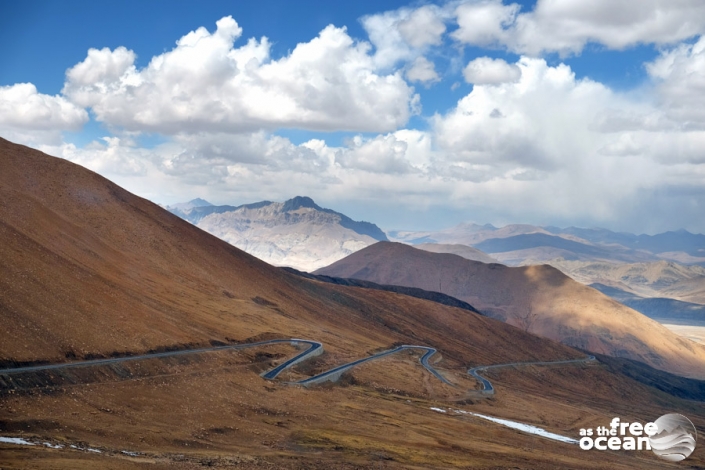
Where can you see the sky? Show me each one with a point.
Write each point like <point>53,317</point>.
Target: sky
<point>412,115</point>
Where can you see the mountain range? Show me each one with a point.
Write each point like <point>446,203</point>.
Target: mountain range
<point>530,244</point>
<point>663,275</point>
<point>91,271</point>
<point>300,234</point>
<point>296,233</point>
<point>648,280</point>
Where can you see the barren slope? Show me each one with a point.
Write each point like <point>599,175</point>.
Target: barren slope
<point>539,299</point>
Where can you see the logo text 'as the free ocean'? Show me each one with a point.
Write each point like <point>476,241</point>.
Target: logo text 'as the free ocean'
<point>672,437</point>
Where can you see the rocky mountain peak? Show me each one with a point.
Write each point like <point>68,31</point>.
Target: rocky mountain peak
<point>298,202</point>
<point>198,202</point>
<point>277,234</point>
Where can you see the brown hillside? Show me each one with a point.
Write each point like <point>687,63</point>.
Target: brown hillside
<point>91,269</point>
<point>538,299</point>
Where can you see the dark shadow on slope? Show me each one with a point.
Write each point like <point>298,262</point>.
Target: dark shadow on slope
<point>410,291</point>
<point>681,387</point>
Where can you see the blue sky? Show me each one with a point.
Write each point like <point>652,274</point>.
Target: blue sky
<point>413,115</point>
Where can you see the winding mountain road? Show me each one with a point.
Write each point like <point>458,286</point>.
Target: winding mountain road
<point>314,348</point>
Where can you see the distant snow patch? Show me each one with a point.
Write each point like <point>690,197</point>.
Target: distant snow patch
<point>15,440</point>
<point>528,428</point>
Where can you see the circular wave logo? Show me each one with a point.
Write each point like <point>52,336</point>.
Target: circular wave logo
<point>675,439</point>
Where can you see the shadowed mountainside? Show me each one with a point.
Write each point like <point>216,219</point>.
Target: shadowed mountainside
<point>538,299</point>
<point>410,291</point>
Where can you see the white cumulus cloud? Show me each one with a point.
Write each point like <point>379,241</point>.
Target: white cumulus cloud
<point>488,71</point>
<point>551,147</point>
<point>422,70</point>
<point>33,118</point>
<point>406,151</point>
<point>538,125</point>
<point>22,107</point>
<point>680,80</point>
<point>567,26</point>
<point>422,27</point>
<point>485,22</point>
<point>204,83</point>
<point>404,34</point>
<point>99,70</point>
<point>530,142</point>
